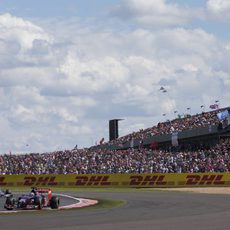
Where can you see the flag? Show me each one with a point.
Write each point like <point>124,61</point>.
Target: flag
<point>174,138</point>
<point>214,106</point>
<point>222,115</point>
<point>154,145</point>
<point>102,140</point>
<point>132,143</point>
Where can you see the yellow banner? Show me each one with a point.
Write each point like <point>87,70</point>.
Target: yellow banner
<point>118,180</point>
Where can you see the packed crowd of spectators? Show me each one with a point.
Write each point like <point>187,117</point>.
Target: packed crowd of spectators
<point>88,161</point>
<point>180,124</point>
<point>91,161</point>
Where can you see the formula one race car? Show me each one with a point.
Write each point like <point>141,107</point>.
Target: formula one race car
<point>38,198</point>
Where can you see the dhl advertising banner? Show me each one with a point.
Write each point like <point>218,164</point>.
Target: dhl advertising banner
<point>119,180</point>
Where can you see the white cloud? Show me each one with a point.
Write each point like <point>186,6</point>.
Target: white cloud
<point>227,47</point>
<point>154,13</point>
<point>219,9</point>
<point>218,6</point>
<point>20,31</point>
<point>62,87</point>
<point>190,68</point>
<point>93,75</point>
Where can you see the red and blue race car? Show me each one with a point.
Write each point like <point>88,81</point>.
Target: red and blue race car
<point>38,198</point>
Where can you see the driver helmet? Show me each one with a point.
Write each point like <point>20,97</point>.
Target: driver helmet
<point>32,194</point>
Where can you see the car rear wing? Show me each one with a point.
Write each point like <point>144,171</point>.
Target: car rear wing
<point>45,190</point>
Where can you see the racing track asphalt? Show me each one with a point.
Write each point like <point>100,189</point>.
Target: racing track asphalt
<point>144,210</point>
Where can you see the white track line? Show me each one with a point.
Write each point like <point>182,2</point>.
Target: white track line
<point>81,202</point>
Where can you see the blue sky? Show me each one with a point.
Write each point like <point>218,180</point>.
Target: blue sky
<point>91,9</point>
<point>54,8</point>
<point>67,67</point>
<point>98,9</point>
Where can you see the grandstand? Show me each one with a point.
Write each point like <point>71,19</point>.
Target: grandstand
<point>204,128</point>
<point>202,144</point>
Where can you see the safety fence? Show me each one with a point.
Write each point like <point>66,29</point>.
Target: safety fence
<point>118,180</point>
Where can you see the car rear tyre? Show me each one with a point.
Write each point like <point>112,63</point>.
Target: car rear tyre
<point>54,202</point>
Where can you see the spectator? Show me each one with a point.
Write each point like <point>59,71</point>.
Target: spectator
<point>88,161</point>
